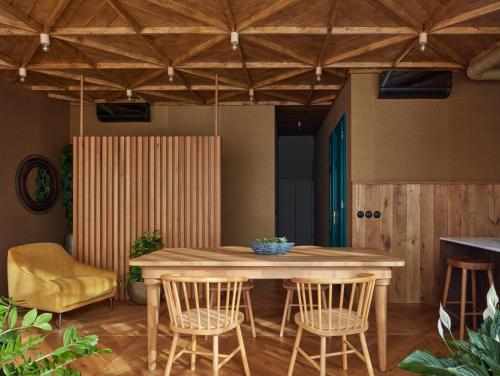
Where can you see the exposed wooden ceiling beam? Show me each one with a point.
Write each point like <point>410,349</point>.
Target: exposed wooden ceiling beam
<point>174,97</point>
<point>326,98</point>
<point>76,77</point>
<point>188,87</point>
<point>147,76</point>
<point>280,77</point>
<point>206,45</point>
<point>406,50</point>
<point>127,30</point>
<point>438,13</point>
<point>446,52</point>
<point>224,97</point>
<point>276,7</point>
<point>396,11</point>
<point>68,98</point>
<point>366,48</point>
<point>468,30</point>
<point>190,12</point>
<point>57,11</point>
<point>466,16</point>
<point>281,49</point>
<point>91,43</point>
<point>211,76</point>
<point>8,61</point>
<point>20,16</point>
<point>286,97</point>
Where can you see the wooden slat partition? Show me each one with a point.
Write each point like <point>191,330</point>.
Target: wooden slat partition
<point>414,217</point>
<point>126,185</point>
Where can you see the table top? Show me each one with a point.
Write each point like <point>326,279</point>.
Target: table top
<point>490,244</point>
<point>243,256</point>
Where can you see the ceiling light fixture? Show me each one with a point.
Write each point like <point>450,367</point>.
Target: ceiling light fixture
<point>170,72</point>
<point>319,71</point>
<point>422,40</point>
<point>23,73</point>
<point>251,94</point>
<point>235,40</point>
<point>129,95</point>
<point>45,42</point>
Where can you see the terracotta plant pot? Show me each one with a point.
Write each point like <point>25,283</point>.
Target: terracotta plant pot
<point>137,293</point>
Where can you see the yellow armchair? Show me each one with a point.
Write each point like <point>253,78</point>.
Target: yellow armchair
<point>44,276</point>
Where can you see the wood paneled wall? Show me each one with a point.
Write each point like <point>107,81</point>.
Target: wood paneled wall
<point>414,217</point>
<point>126,185</point>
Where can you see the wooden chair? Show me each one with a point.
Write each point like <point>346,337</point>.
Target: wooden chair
<point>291,288</point>
<point>346,314</point>
<point>199,318</point>
<point>247,302</point>
<point>466,265</point>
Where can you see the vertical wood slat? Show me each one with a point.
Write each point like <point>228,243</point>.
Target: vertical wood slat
<point>126,185</point>
<point>414,218</point>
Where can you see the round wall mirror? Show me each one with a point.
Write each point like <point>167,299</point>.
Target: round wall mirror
<point>37,184</point>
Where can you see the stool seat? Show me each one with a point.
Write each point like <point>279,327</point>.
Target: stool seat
<point>469,263</point>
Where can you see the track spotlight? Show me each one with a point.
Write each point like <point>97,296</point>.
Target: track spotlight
<point>129,95</point>
<point>45,42</point>
<point>235,39</point>
<point>170,72</point>
<point>422,41</point>
<point>319,71</point>
<point>23,73</point>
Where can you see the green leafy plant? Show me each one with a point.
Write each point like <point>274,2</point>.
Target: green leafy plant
<point>478,356</point>
<point>66,162</point>
<point>150,241</point>
<point>272,240</point>
<point>43,185</point>
<point>18,349</point>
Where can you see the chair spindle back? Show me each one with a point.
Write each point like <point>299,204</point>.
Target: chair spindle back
<point>348,302</point>
<point>189,301</point>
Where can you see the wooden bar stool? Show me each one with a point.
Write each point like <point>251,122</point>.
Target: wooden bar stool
<point>247,302</point>
<point>346,314</point>
<point>291,288</point>
<point>194,317</point>
<point>465,265</point>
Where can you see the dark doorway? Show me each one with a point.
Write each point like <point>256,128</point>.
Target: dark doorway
<point>296,128</point>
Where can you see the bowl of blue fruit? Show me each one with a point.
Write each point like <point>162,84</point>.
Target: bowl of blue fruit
<point>271,246</point>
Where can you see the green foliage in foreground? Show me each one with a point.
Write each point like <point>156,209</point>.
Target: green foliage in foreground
<point>18,347</point>
<point>272,240</point>
<point>478,356</point>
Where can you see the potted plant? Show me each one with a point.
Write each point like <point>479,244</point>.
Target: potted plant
<point>271,246</point>
<point>150,241</point>
<point>66,163</point>
<point>478,356</point>
<point>19,354</point>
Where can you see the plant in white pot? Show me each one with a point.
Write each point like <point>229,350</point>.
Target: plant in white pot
<point>150,241</point>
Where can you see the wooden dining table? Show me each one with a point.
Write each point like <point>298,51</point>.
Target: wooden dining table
<point>315,262</point>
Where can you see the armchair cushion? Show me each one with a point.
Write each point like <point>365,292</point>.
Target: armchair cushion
<point>44,276</point>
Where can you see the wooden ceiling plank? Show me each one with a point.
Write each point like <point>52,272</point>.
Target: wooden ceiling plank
<point>76,77</point>
<point>468,30</point>
<point>224,97</point>
<point>67,98</point>
<point>286,97</point>
<point>146,77</point>
<point>20,16</point>
<point>323,99</point>
<point>280,77</point>
<point>447,52</point>
<point>271,10</point>
<point>300,87</point>
<point>110,49</point>
<point>466,16</point>
<point>367,48</point>
<point>206,45</point>
<point>394,10</point>
<point>57,11</point>
<point>439,13</point>
<point>190,12</point>
<point>159,94</point>
<point>210,76</point>
<point>188,87</point>
<point>408,47</point>
<point>277,47</point>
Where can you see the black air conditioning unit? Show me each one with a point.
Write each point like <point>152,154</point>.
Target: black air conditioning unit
<point>123,112</point>
<point>414,84</point>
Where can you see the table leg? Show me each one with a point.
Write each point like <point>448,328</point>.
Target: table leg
<point>381,316</point>
<point>153,291</point>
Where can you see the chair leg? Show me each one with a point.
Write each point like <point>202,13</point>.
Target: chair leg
<point>285,312</point>
<point>474,298</point>
<point>294,353</point>
<point>322,359</point>
<point>193,356</point>
<point>290,305</point>
<point>171,355</point>
<point>344,352</point>
<point>243,351</point>
<point>250,312</point>
<point>446,286</point>
<point>463,299</point>
<point>215,360</point>
<point>366,354</point>
<point>245,304</point>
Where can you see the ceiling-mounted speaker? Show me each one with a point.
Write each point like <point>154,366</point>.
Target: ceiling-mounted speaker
<point>411,84</point>
<point>123,112</point>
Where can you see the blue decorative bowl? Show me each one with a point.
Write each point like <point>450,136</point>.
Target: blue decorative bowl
<point>271,248</point>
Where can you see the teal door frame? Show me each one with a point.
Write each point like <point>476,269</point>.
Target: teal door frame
<point>338,185</point>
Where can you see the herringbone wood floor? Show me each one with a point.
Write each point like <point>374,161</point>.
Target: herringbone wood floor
<point>124,331</point>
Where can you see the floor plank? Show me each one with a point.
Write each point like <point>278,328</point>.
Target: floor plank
<point>411,326</point>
